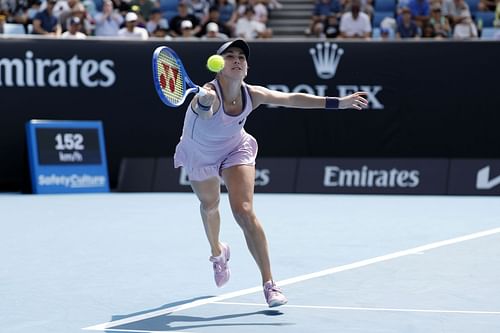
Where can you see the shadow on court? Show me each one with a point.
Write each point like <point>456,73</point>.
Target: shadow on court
<point>175,322</point>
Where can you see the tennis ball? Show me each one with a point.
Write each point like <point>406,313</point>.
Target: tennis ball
<point>215,63</point>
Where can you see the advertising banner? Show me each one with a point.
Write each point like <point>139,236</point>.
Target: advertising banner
<point>474,177</point>
<point>372,176</point>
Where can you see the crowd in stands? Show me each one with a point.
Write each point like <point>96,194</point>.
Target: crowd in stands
<point>140,19</point>
<point>223,19</point>
<point>404,19</point>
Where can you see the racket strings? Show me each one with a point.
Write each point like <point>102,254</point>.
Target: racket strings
<point>171,78</point>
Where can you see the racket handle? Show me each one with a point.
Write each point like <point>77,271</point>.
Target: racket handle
<point>201,91</point>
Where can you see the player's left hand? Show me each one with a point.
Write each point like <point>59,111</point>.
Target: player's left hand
<point>356,101</point>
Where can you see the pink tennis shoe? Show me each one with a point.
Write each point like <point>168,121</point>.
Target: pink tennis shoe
<point>274,295</point>
<point>221,269</point>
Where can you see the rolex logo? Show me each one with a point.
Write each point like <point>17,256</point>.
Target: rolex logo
<point>326,58</point>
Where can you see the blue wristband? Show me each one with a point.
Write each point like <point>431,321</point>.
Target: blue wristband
<point>332,103</point>
<point>202,107</point>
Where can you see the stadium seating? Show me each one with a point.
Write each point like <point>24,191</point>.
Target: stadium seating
<point>385,6</point>
<point>486,17</point>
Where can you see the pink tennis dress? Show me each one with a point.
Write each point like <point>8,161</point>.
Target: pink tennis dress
<point>207,146</point>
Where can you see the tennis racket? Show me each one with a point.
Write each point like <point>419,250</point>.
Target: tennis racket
<point>171,81</point>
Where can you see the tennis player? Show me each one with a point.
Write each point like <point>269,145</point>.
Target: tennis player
<point>214,146</point>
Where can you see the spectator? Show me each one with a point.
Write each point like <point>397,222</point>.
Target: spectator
<point>212,32</point>
<point>66,13</point>
<point>439,22</point>
<point>108,22</point>
<point>213,16</point>
<point>226,10</point>
<point>332,26</point>
<point>199,8</point>
<point>465,28</point>
<point>157,25</point>
<point>455,10</point>
<point>354,23</point>
<point>183,15</point>
<point>45,23</point>
<point>78,10</point>
<point>407,28</point>
<point>261,13</point>
<point>2,22</point>
<point>248,27</point>
<point>420,11</point>
<point>131,30</point>
<point>187,30</point>
<point>74,26</point>
<point>123,7</point>
<point>322,10</point>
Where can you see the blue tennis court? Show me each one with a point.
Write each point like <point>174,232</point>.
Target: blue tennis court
<point>139,263</point>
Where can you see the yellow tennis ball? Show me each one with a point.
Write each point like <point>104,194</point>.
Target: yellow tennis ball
<point>215,63</point>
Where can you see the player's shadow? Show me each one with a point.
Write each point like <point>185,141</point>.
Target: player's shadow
<point>176,322</point>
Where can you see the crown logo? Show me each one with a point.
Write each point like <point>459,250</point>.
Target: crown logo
<point>326,58</point>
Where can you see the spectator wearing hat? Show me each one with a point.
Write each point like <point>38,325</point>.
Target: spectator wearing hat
<point>45,22</point>
<point>183,15</point>
<point>131,30</point>
<point>74,26</point>
<point>213,32</point>
<point>187,31</point>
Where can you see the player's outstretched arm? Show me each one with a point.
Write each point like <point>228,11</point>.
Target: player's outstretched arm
<point>263,95</point>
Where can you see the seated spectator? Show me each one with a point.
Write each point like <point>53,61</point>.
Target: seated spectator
<point>199,8</point>
<point>226,10</point>
<point>2,22</point>
<point>183,15</point>
<point>74,26</point>
<point>420,11</point>
<point>260,10</point>
<point>354,23</point>
<point>108,22</point>
<point>187,30</point>
<point>86,22</point>
<point>440,24</point>
<point>248,27</point>
<point>157,25</point>
<point>318,30</point>
<point>213,16</point>
<point>332,26</point>
<point>407,28</point>
<point>455,11</point>
<point>322,10</point>
<point>486,5</point>
<point>131,30</point>
<point>465,28</point>
<point>45,23</point>
<point>366,6</point>
<point>212,32</point>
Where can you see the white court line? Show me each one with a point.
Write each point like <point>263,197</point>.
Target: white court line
<point>144,331</point>
<point>300,278</point>
<point>366,309</point>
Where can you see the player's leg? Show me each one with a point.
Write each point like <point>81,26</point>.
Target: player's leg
<point>208,192</point>
<point>240,181</point>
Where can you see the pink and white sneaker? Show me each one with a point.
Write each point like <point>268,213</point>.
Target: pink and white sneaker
<point>221,269</point>
<point>274,295</point>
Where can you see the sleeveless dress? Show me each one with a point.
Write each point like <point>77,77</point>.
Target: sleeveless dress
<point>207,146</point>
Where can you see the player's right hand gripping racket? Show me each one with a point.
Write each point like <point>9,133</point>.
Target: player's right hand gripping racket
<point>171,81</point>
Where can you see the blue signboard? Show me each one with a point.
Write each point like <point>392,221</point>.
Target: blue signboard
<point>67,156</point>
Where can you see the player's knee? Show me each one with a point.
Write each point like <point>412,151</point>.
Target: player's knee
<point>245,216</point>
<point>210,207</point>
